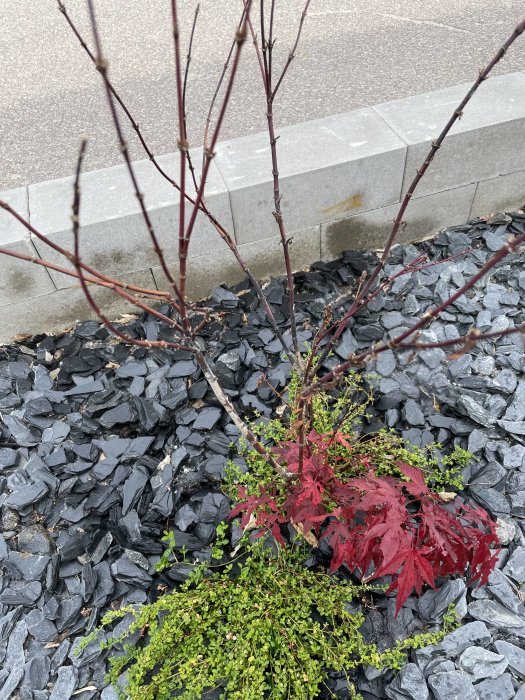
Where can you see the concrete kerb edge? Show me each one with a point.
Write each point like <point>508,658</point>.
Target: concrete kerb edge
<point>493,185</point>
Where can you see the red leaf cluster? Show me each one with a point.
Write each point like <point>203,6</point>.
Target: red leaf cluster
<point>375,525</point>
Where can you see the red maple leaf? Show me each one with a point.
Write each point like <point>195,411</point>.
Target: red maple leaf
<point>375,525</point>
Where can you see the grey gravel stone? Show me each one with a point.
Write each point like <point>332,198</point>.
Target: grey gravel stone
<point>40,627</point>
<point>452,685</point>
<point>60,655</point>
<point>515,567</point>
<point>475,411</point>
<point>492,500</point>
<point>514,655</point>
<point>484,364</point>
<point>476,441</point>
<point>10,519</point>
<point>36,672</point>
<point>520,695</point>
<point>481,663</point>
<point>25,496</point>
<point>500,587</point>
<point>490,475</point>
<point>516,410</point>
<point>386,363</point>
<point>8,457</point>
<point>501,688</point>
<point>433,357</point>
<point>439,665</point>
<point>514,457</point>
<point>412,413</point>
<point>28,567</point>
<point>456,642</point>
<point>21,593</point>
<point>65,683</point>
<point>517,504</point>
<point>495,614</point>
<point>185,517</point>
<point>409,684</point>
<point>14,660</point>
<point>125,570</point>
<point>35,540</point>
<point>512,427</point>
<point>433,604</point>
<point>505,381</point>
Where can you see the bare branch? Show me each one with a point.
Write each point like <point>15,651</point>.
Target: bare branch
<point>257,50</point>
<point>220,229</point>
<point>270,37</point>
<point>186,72</point>
<point>436,145</point>
<point>240,38</point>
<point>76,262</point>
<point>264,63</point>
<point>76,195</point>
<point>183,150</point>
<point>218,87</point>
<point>98,277</point>
<point>357,360</point>
<point>101,65</point>
<point>292,53</point>
<point>264,50</point>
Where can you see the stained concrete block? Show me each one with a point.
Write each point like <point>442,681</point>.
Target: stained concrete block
<point>19,279</point>
<point>264,258</point>
<point>424,217</point>
<point>113,237</point>
<point>503,193</point>
<point>486,142</point>
<point>329,167</point>
<point>62,308</point>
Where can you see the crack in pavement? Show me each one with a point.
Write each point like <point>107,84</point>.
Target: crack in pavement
<point>425,22</point>
<point>400,18</point>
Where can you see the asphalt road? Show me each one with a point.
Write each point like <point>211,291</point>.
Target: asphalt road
<point>353,53</point>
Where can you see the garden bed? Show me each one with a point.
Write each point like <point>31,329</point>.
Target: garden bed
<point>104,447</point>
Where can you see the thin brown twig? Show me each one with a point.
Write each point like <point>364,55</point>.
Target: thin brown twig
<point>240,38</point>
<point>271,40</point>
<point>436,145</point>
<point>239,423</point>
<point>75,219</point>
<point>218,87</point>
<point>292,53</point>
<point>183,150</point>
<point>412,267</point>
<point>473,334</point>
<point>257,48</point>
<point>277,213</point>
<point>102,67</point>
<point>185,84</point>
<point>264,47</point>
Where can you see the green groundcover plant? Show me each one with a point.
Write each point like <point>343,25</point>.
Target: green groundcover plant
<point>256,623</point>
<point>378,504</point>
<point>265,627</point>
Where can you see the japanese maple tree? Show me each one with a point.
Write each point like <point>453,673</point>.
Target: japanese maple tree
<point>375,525</point>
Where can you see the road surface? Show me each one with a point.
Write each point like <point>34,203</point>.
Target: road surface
<point>353,53</point>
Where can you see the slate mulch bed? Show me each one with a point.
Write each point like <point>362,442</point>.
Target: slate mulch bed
<point>103,447</point>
